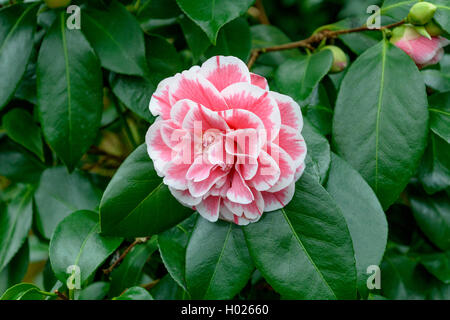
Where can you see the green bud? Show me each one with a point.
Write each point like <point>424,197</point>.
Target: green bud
<point>421,13</point>
<point>433,29</point>
<point>340,60</point>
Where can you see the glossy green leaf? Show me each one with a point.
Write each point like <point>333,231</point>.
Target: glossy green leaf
<point>135,92</point>
<point>438,264</point>
<point>397,9</point>
<point>375,112</point>
<point>95,291</point>
<point>22,291</point>
<point>17,27</point>
<point>117,38</point>
<point>15,222</point>
<point>432,214</point>
<point>436,79</point>
<point>439,108</point>
<point>14,272</point>
<point>135,293</point>
<point>234,39</point>
<point>168,289</point>
<point>319,111</point>
<point>196,39</point>
<point>129,272</point>
<point>77,242</point>
<point>218,266</point>
<point>172,247</point>
<point>365,218</point>
<point>305,250</point>
<point>69,89</point>
<point>442,14</point>
<point>212,15</point>
<point>59,194</point>
<point>21,128</point>
<point>318,152</point>
<point>309,70</point>
<point>137,202</point>
<point>434,171</point>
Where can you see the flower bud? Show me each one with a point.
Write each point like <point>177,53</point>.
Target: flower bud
<point>421,13</point>
<point>433,29</point>
<point>53,4</point>
<point>424,51</point>
<point>340,60</point>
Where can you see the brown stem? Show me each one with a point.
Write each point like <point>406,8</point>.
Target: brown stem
<point>262,16</point>
<point>150,285</point>
<point>315,38</point>
<point>97,151</point>
<point>124,254</point>
<point>61,295</point>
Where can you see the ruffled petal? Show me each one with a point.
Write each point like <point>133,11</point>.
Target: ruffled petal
<point>290,111</point>
<point>157,149</point>
<point>200,188</point>
<point>250,211</point>
<point>239,192</point>
<point>160,103</point>
<point>277,200</point>
<point>291,141</point>
<point>223,71</point>
<point>209,208</point>
<point>267,174</point>
<point>286,165</point>
<point>259,81</point>
<point>185,197</point>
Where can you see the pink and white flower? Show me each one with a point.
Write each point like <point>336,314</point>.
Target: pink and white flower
<point>226,145</point>
<point>422,50</point>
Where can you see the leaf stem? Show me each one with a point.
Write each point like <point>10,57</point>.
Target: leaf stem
<point>124,254</point>
<point>117,105</point>
<point>314,38</point>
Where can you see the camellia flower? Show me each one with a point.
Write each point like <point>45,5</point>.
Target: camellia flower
<point>226,145</point>
<point>422,50</point>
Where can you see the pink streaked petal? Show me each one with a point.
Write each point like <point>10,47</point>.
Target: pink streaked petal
<point>157,149</point>
<point>202,119</point>
<point>299,172</point>
<point>434,60</point>
<point>267,174</point>
<point>180,109</point>
<point>223,71</point>
<point>193,86</point>
<point>176,174</point>
<point>227,215</point>
<point>290,111</point>
<point>291,141</point>
<point>209,208</point>
<point>200,188</point>
<point>250,211</point>
<point>243,143</point>
<point>185,197</point>
<point>199,170</point>
<point>259,81</point>
<point>160,103</point>
<point>256,100</point>
<point>286,164</point>
<point>421,49</point>
<point>239,192</point>
<point>277,200</point>
<point>248,170</point>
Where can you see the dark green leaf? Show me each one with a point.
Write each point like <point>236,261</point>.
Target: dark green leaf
<point>380,123</point>
<point>438,264</point>
<point>15,222</point>
<point>309,70</point>
<point>212,15</point>
<point>218,264</point>
<point>397,9</point>
<point>365,218</point>
<point>432,214</point>
<point>69,88</point>
<point>305,250</point>
<point>21,128</point>
<point>129,272</point>
<point>196,39</point>
<point>59,194</point>
<point>318,111</point>
<point>439,108</point>
<point>172,246</point>
<point>22,291</point>
<point>117,39</point>
<point>442,14</point>
<point>168,289</point>
<point>14,272</point>
<point>17,27</point>
<point>137,202</point>
<point>135,293</point>
<point>95,291</point>
<point>77,242</point>
<point>436,79</point>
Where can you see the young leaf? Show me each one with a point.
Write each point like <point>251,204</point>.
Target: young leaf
<point>59,194</point>
<point>22,291</point>
<point>117,38</point>
<point>309,70</point>
<point>15,223</point>
<point>378,108</point>
<point>135,293</point>
<point>305,250</point>
<point>20,127</point>
<point>365,218</point>
<point>136,202</point>
<point>16,44</point>
<point>77,242</point>
<point>212,15</point>
<point>218,264</point>
<point>69,89</point>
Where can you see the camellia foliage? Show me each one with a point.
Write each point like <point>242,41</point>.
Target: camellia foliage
<point>355,110</point>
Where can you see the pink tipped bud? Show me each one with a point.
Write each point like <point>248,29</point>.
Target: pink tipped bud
<point>340,60</point>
